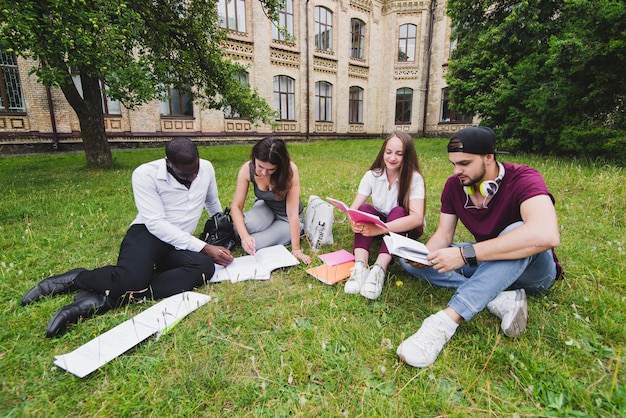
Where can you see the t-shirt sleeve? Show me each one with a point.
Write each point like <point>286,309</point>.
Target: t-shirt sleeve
<point>366,185</point>
<point>447,196</point>
<point>417,187</point>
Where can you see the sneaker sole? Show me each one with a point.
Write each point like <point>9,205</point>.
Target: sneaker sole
<point>518,324</point>
<point>370,295</point>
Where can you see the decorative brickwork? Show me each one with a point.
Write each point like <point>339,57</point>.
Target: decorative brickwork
<point>284,58</point>
<point>240,50</point>
<point>324,65</point>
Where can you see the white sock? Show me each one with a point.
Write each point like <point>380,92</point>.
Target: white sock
<point>450,325</point>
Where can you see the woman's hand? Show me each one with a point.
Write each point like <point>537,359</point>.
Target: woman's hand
<point>301,256</point>
<point>368,230</point>
<point>249,244</point>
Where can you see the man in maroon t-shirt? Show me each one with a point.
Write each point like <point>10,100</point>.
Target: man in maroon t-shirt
<point>510,213</point>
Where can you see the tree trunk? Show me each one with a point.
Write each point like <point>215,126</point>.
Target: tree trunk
<point>88,108</point>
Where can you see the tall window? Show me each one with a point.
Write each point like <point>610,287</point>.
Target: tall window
<point>110,107</point>
<point>178,104</point>
<point>285,97</point>
<point>355,106</point>
<point>11,98</point>
<point>404,100</point>
<point>323,29</point>
<point>406,43</point>
<point>447,113</point>
<point>357,42</point>
<point>243,78</point>
<point>232,14</point>
<point>323,101</point>
<point>284,27</point>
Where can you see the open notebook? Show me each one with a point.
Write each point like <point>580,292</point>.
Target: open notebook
<point>255,267</point>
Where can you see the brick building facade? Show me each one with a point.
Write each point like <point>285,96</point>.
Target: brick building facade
<point>348,68</point>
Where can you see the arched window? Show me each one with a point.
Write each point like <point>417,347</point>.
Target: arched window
<point>406,42</point>
<point>404,100</point>
<point>284,97</point>
<point>323,29</point>
<point>355,107</point>
<point>323,101</point>
<point>357,41</point>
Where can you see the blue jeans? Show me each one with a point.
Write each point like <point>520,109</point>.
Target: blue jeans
<point>477,286</point>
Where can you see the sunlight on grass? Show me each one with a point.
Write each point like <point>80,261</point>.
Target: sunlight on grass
<point>293,346</point>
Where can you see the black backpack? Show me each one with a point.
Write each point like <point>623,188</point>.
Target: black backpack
<point>219,230</point>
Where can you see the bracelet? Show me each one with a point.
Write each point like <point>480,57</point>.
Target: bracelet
<point>462,255</point>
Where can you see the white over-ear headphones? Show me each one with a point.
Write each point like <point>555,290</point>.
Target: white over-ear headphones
<point>487,188</point>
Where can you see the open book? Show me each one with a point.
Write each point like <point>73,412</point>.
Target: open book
<point>406,248</point>
<point>255,267</point>
<point>357,215</point>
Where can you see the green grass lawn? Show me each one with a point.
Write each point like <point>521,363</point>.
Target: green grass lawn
<point>293,346</point>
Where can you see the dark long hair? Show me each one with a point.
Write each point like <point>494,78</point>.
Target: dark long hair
<point>274,151</point>
<point>410,164</point>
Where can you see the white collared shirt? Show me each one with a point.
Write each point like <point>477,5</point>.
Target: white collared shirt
<point>168,209</point>
<point>384,197</point>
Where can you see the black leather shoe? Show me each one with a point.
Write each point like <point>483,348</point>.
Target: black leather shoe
<point>86,304</point>
<point>53,285</point>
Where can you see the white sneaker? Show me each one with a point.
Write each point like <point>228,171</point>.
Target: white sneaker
<point>357,278</point>
<point>373,286</point>
<point>511,307</point>
<point>422,348</point>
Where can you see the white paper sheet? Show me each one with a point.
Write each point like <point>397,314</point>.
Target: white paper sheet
<point>156,319</point>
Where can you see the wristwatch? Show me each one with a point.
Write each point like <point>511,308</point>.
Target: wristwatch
<point>470,255</point>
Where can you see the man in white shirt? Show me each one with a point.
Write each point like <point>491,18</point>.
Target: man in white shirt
<point>159,255</point>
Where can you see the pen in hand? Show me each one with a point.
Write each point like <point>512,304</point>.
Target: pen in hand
<point>226,254</point>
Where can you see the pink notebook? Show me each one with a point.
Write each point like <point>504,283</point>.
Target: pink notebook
<point>337,257</point>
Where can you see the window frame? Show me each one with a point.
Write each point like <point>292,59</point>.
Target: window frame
<point>355,105</point>
<point>108,103</point>
<point>244,78</point>
<point>357,38</point>
<point>404,42</point>
<point>285,99</point>
<point>11,91</point>
<point>445,109</point>
<point>182,104</point>
<point>323,20</point>
<point>404,107</point>
<point>286,19</point>
<point>323,101</point>
<point>232,15</point>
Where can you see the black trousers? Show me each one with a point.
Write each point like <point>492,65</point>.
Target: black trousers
<point>146,266</point>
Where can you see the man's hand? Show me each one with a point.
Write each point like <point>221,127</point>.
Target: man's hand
<point>219,255</point>
<point>446,259</point>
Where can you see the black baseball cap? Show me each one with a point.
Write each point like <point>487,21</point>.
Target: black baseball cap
<point>474,140</point>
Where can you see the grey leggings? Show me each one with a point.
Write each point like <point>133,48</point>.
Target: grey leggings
<point>266,227</point>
